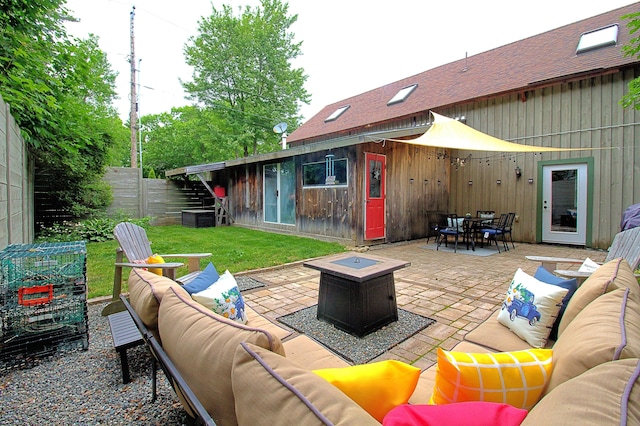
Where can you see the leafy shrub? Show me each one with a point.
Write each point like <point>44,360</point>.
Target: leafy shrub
<point>93,230</point>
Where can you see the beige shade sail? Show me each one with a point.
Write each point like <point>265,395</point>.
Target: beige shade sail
<point>446,132</point>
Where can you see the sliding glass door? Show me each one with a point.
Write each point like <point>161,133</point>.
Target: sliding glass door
<point>280,193</point>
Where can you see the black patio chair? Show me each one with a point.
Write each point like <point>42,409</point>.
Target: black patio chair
<point>496,232</point>
<point>435,221</point>
<point>455,229</point>
<point>511,217</point>
<point>490,215</point>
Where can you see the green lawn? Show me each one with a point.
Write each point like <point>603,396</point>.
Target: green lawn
<point>233,248</point>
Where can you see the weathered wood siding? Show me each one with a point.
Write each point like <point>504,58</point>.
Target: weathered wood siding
<point>161,199</point>
<point>321,211</point>
<point>16,183</point>
<point>245,194</point>
<point>329,211</point>
<point>417,182</point>
<point>577,114</point>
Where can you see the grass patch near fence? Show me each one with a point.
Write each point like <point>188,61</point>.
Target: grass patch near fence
<point>233,248</point>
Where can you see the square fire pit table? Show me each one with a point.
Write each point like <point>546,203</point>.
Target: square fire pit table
<point>357,292</point>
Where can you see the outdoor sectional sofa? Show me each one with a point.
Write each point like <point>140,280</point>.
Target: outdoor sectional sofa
<point>260,373</point>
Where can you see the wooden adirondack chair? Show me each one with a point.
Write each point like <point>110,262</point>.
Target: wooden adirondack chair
<point>626,245</point>
<point>135,246</point>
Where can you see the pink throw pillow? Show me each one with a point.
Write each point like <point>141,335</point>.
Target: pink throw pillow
<point>477,413</point>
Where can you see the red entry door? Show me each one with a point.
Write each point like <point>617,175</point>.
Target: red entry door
<point>375,171</point>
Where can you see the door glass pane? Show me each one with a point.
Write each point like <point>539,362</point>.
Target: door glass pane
<point>287,193</point>
<point>375,174</point>
<point>271,193</point>
<point>564,200</point>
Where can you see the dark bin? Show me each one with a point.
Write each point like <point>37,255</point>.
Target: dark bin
<point>198,218</point>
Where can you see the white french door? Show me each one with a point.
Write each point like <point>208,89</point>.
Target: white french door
<point>564,204</point>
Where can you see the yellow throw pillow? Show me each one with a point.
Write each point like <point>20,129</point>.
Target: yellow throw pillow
<point>155,258</point>
<point>515,378</point>
<point>377,387</point>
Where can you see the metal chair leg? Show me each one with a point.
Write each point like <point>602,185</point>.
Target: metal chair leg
<point>154,374</point>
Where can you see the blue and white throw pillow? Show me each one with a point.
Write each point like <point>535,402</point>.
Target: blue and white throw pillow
<point>530,308</point>
<point>223,297</point>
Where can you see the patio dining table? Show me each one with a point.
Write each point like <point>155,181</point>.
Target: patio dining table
<point>472,225</point>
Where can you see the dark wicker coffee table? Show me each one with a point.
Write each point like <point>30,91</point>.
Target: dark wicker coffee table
<point>357,291</point>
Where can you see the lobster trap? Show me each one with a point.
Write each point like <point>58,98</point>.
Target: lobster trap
<point>43,300</point>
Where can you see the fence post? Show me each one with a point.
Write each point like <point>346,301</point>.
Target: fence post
<point>142,196</point>
<point>7,133</point>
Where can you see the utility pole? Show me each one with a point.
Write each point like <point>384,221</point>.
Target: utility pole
<point>133,124</point>
<point>140,114</point>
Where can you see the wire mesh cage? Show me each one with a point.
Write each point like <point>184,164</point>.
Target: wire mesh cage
<point>43,300</point>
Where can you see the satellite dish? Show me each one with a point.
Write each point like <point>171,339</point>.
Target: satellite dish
<point>280,128</point>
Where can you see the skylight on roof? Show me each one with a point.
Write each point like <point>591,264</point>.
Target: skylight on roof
<point>337,113</point>
<point>607,36</point>
<point>402,94</point>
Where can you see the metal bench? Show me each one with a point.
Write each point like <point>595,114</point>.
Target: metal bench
<point>196,411</point>
<point>125,335</point>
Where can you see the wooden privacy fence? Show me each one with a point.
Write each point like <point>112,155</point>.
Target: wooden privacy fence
<point>161,199</point>
<point>16,183</point>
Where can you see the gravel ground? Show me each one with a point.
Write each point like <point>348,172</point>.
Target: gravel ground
<point>358,350</point>
<point>85,387</point>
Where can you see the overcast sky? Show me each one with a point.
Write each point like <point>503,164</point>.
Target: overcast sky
<point>349,46</point>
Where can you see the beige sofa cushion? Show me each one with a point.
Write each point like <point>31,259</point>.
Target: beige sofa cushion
<point>146,290</point>
<point>495,336</point>
<point>607,329</point>
<point>605,395</point>
<point>612,275</point>
<point>256,320</point>
<point>311,354</point>
<point>202,344</point>
<point>273,390</point>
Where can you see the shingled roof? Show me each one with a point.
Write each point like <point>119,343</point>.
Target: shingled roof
<point>517,67</point>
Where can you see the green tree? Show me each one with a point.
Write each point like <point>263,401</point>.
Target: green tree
<point>243,71</point>
<point>632,98</point>
<point>60,91</point>
<point>184,136</point>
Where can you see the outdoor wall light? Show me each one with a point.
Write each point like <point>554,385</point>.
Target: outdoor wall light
<point>498,181</point>
<point>518,172</point>
<point>530,180</point>
<point>470,182</point>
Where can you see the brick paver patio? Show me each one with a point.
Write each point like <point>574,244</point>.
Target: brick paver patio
<point>458,290</point>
